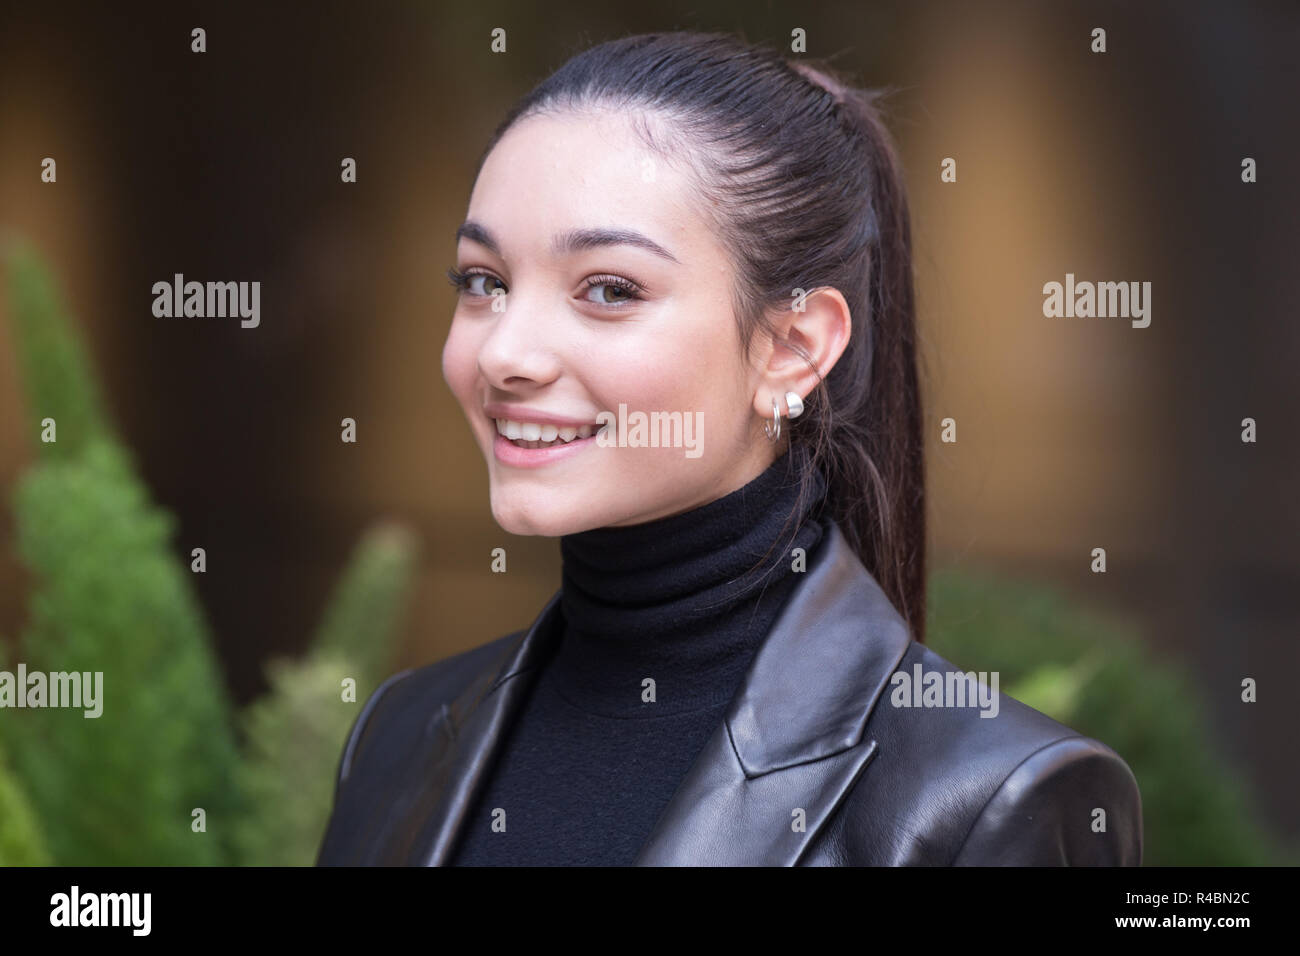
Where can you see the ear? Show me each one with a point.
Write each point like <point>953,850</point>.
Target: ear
<point>821,324</point>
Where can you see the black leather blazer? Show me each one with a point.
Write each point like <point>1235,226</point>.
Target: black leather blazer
<point>812,728</point>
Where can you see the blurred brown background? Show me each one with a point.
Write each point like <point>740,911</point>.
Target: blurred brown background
<point>1073,433</point>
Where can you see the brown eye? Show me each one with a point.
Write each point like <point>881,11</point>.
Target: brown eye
<point>489,284</point>
<point>611,290</point>
<point>607,293</point>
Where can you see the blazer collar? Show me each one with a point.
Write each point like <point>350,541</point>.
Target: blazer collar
<point>771,774</point>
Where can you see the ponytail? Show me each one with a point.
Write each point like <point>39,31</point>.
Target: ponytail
<point>872,445</point>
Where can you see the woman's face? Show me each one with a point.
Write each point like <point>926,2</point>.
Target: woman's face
<point>594,283</point>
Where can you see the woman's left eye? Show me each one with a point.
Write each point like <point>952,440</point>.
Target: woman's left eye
<point>611,290</point>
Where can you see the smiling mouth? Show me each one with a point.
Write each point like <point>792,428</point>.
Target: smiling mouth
<point>534,435</point>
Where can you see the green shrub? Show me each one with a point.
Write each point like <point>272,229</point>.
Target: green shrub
<point>21,842</point>
<point>56,376</point>
<point>110,596</point>
<point>1089,671</point>
<point>294,736</point>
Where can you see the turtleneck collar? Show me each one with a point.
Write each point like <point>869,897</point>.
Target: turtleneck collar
<point>685,600</point>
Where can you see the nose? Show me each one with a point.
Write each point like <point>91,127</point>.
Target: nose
<point>521,348</point>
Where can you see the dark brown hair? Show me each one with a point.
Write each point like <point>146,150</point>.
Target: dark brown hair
<point>805,186</point>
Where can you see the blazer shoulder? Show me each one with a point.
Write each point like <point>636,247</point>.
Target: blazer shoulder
<point>990,780</point>
<point>1072,802</point>
<point>403,703</point>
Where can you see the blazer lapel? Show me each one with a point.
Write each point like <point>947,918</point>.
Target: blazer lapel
<point>769,777</point>
<point>471,731</point>
<point>792,743</point>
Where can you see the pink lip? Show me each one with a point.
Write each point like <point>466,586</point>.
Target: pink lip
<point>519,413</point>
<point>508,453</point>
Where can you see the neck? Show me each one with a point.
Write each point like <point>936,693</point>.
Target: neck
<point>683,600</point>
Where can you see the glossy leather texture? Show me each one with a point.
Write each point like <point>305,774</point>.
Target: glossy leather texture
<point>813,765</point>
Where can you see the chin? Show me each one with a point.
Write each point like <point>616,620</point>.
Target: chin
<point>520,519</point>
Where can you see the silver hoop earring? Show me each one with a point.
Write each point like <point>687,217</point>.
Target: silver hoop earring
<point>773,428</point>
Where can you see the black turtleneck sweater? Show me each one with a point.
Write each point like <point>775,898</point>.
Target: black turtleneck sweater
<point>589,764</point>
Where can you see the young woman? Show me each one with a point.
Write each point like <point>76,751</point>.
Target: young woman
<point>711,244</point>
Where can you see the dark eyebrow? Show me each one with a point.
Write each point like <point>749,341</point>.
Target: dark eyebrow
<point>473,231</point>
<point>575,240</point>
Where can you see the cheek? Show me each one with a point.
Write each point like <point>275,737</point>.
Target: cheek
<point>648,374</point>
<point>460,360</point>
<point>694,366</point>
<point>681,367</point>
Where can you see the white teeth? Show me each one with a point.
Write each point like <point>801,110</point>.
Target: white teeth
<point>535,432</point>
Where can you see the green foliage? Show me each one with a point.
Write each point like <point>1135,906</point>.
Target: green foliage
<point>111,598</point>
<point>1089,671</point>
<point>294,736</point>
<point>56,375</point>
<point>21,842</point>
<point>361,621</point>
<point>108,598</point>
